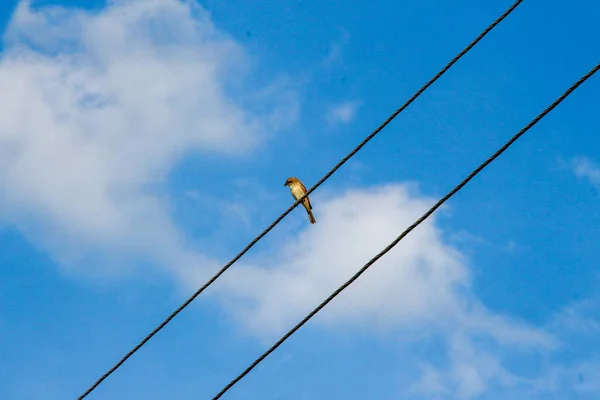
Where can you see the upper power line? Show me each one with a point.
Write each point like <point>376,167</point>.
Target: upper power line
<point>319,183</point>
<point>408,230</point>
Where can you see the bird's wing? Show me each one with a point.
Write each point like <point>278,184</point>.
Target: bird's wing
<point>304,189</point>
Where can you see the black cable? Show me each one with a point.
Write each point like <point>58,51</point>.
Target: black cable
<point>333,170</point>
<point>408,230</point>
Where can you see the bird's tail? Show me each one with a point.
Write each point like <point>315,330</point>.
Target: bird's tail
<point>311,216</point>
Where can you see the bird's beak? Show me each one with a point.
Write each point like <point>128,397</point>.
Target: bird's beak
<point>285,184</point>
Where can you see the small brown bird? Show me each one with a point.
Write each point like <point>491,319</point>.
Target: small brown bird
<point>298,190</point>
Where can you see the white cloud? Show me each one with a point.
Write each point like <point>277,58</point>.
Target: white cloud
<point>342,113</point>
<point>98,107</point>
<point>420,289</point>
<point>582,317</point>
<point>583,167</point>
<point>423,280</point>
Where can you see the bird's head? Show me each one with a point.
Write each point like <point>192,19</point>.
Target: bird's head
<point>289,181</point>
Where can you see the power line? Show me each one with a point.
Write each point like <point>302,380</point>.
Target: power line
<point>409,229</point>
<point>327,176</point>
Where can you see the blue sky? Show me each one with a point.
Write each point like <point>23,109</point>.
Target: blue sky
<point>144,143</point>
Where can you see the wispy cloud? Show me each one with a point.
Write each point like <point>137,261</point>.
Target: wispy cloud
<point>342,113</point>
<point>572,370</point>
<point>336,50</point>
<point>585,168</point>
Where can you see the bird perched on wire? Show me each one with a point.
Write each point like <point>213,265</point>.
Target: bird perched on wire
<point>298,190</point>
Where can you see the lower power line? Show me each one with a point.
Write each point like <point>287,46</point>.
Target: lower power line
<point>408,230</point>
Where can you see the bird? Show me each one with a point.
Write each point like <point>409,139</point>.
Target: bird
<point>298,190</point>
